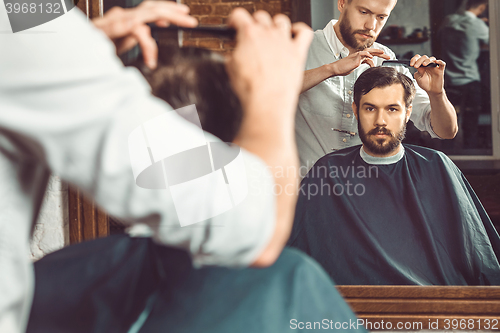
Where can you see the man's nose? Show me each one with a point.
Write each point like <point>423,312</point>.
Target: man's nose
<point>371,23</point>
<point>380,119</point>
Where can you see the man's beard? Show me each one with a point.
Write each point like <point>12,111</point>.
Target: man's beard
<point>348,35</point>
<point>381,146</point>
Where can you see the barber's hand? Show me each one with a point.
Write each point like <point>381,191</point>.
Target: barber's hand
<point>348,64</point>
<point>128,27</point>
<point>267,65</point>
<point>430,79</point>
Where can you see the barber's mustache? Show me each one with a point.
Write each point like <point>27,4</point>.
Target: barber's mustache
<point>379,130</point>
<point>364,32</point>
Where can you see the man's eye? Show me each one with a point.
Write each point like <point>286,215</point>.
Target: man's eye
<point>370,109</point>
<point>393,110</point>
<point>362,12</point>
<point>381,18</point>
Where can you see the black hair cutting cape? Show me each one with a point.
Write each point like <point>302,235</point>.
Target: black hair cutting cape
<point>414,222</point>
<point>126,284</point>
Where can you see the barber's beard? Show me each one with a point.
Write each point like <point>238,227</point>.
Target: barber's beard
<point>349,37</point>
<point>382,146</point>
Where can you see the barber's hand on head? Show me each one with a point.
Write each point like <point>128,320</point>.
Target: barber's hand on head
<point>128,27</point>
<point>348,64</point>
<point>267,64</point>
<point>430,79</point>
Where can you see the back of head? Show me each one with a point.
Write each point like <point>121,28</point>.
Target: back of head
<point>471,4</point>
<point>191,75</point>
<point>381,77</point>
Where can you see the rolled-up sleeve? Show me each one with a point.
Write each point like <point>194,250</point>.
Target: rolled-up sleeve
<point>68,103</point>
<point>481,30</point>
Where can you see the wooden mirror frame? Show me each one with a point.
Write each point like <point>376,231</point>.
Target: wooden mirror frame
<point>443,307</point>
<point>86,220</point>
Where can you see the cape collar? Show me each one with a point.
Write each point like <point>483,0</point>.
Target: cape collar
<point>382,160</point>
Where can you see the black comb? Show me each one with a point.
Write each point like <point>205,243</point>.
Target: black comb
<point>219,30</point>
<point>405,63</point>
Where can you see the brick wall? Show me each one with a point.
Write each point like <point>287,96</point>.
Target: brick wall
<point>52,228</point>
<point>216,12</point>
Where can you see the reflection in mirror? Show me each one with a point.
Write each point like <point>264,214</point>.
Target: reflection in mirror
<point>408,217</point>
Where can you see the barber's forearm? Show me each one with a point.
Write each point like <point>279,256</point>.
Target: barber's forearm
<point>272,138</point>
<point>315,76</point>
<point>443,116</point>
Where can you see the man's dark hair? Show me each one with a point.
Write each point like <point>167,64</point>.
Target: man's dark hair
<point>349,1</point>
<point>475,3</point>
<point>191,75</point>
<point>381,77</point>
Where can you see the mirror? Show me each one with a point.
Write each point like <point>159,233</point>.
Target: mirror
<point>423,27</point>
<point>423,42</point>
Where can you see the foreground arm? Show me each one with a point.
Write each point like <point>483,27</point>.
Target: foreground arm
<point>268,87</point>
<point>71,107</point>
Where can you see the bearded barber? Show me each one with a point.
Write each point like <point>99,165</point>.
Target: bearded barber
<point>338,55</point>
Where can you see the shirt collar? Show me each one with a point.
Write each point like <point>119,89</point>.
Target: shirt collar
<point>338,49</point>
<point>382,160</point>
<point>470,14</point>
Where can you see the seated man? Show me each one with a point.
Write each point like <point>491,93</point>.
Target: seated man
<point>385,213</point>
<point>130,284</point>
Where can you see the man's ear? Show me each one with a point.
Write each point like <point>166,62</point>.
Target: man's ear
<point>483,7</point>
<point>408,113</point>
<point>341,5</point>
<point>355,110</point>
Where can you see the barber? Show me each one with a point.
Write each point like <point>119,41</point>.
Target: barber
<point>68,106</point>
